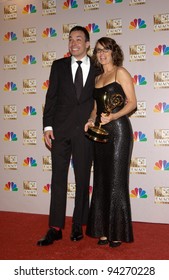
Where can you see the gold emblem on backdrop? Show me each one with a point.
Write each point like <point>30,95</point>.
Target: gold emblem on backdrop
<point>47,163</point>
<point>10,162</point>
<point>161,79</point>
<point>141,110</point>
<point>91,5</point>
<point>137,52</point>
<point>138,166</point>
<point>29,86</point>
<point>10,12</point>
<point>161,195</point>
<point>161,137</point>
<point>29,137</point>
<point>48,7</point>
<point>29,188</point>
<point>10,62</point>
<point>29,35</point>
<point>114,27</point>
<point>10,112</point>
<point>161,22</point>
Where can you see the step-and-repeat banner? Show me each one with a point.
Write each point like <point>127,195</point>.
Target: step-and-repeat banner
<point>32,35</point>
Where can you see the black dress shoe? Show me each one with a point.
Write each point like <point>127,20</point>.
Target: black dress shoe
<point>77,233</point>
<point>50,237</point>
<point>114,244</point>
<point>103,242</point>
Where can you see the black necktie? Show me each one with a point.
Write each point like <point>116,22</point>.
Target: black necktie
<point>78,80</point>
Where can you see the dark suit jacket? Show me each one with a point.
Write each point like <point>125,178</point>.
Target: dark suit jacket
<point>63,111</point>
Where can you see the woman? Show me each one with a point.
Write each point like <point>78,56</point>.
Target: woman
<point>110,213</point>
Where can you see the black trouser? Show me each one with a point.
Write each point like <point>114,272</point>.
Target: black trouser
<point>80,148</point>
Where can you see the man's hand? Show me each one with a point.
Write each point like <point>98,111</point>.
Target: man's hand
<point>48,135</point>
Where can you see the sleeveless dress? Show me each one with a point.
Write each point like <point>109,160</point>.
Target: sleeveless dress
<point>110,212</point>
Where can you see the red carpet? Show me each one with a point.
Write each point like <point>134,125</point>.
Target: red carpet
<point>20,232</point>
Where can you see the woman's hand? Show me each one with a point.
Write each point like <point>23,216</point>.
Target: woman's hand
<point>105,118</point>
<point>90,123</point>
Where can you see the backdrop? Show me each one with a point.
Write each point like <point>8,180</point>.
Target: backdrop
<point>32,35</point>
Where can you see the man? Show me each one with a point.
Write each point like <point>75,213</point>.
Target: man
<point>65,115</point>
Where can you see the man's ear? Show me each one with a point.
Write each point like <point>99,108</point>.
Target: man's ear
<point>87,45</point>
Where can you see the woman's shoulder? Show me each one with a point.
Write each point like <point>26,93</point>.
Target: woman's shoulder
<point>122,71</point>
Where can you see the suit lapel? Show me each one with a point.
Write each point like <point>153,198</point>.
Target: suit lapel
<point>68,70</point>
<point>69,78</point>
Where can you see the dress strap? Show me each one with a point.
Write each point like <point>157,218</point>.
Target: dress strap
<point>116,73</point>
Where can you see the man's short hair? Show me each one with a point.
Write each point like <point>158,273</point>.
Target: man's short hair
<point>83,29</point>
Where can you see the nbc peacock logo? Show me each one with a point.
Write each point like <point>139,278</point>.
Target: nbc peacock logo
<point>161,165</point>
<point>10,86</point>
<point>161,50</point>
<point>29,9</point>
<point>67,54</point>
<point>137,24</point>
<point>93,28</point>
<point>29,162</point>
<point>49,32</point>
<point>29,111</point>
<point>47,188</point>
<point>161,107</point>
<point>69,4</point>
<point>11,186</point>
<point>45,85</point>
<point>113,1</point>
<point>139,80</point>
<point>10,136</point>
<point>139,136</point>
<point>10,37</point>
<point>138,193</point>
<point>29,59</point>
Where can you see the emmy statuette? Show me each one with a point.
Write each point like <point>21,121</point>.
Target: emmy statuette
<point>97,133</point>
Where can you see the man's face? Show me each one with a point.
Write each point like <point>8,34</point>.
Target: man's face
<point>77,45</point>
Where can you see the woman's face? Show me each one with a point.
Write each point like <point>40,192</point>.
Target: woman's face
<point>104,55</point>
